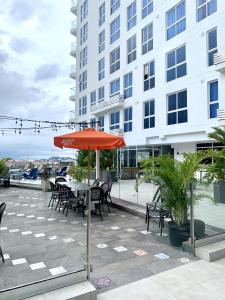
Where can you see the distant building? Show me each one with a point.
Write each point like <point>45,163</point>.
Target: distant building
<point>151,70</point>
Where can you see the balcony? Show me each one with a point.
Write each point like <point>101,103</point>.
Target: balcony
<point>115,102</point>
<point>73,8</point>
<point>73,29</point>
<point>72,116</point>
<point>221,116</point>
<point>73,94</point>
<point>73,51</point>
<point>73,72</point>
<point>219,62</point>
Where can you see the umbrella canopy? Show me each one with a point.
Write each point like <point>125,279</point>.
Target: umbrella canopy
<point>89,139</point>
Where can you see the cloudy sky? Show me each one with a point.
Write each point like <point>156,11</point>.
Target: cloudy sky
<point>35,64</point>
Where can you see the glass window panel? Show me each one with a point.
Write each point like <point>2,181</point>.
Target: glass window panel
<point>181,54</point>
<point>182,116</point>
<point>171,59</point>
<point>202,13</point>
<point>213,110</point>
<point>181,70</point>
<point>180,11</point>
<point>211,57</point>
<point>147,111</point>
<point>172,102</point>
<point>146,123</point>
<point>171,19</point>
<point>172,118</point>
<point>182,99</point>
<point>152,107</point>
<point>212,7</point>
<point>152,122</point>
<point>181,26</point>
<point>171,74</point>
<point>214,91</point>
<point>212,39</point>
<point>171,32</point>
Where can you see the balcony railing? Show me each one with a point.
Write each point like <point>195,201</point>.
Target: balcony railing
<point>221,116</point>
<point>73,94</point>
<point>74,6</point>
<point>74,27</point>
<point>219,62</point>
<point>116,101</point>
<point>73,71</point>
<point>73,49</point>
<point>72,115</point>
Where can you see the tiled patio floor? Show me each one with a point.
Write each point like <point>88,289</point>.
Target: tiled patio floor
<point>39,242</point>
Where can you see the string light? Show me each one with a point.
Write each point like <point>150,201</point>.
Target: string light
<point>38,125</point>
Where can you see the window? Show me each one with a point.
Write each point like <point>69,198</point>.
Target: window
<point>83,33</point>
<point>114,87</point>
<point>83,81</point>
<point>101,123</point>
<point>101,14</point>
<point>92,122</point>
<point>147,38</point>
<point>131,15</point>
<point>128,85</point>
<point>176,63</point>
<point>115,60</point>
<point>83,57</point>
<point>149,114</point>
<point>131,49</point>
<point>115,4</point>
<point>93,98</point>
<point>82,105</point>
<point>115,30</point>
<point>84,10</point>
<point>115,120</point>
<point>101,68</point>
<point>212,45</point>
<point>147,8</point>
<point>101,94</point>
<point>205,8</point>
<point>127,119</point>
<point>213,99</point>
<point>175,20</point>
<point>177,108</point>
<point>149,75</point>
<point>101,41</point>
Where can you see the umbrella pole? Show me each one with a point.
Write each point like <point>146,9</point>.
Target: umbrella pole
<point>88,213</point>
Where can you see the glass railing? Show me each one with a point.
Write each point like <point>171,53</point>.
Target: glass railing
<point>73,92</point>
<point>73,69</point>
<point>74,46</point>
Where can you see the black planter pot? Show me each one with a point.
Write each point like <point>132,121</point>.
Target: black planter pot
<point>177,235</point>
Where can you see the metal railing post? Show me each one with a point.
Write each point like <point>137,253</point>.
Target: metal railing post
<point>88,215</point>
<point>192,221</point>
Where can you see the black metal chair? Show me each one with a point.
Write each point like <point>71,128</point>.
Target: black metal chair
<point>55,194</point>
<point>2,209</point>
<point>96,182</point>
<point>109,191</point>
<point>97,196</point>
<point>155,210</point>
<point>60,179</point>
<point>105,186</point>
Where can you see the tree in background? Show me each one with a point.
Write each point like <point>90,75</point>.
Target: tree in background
<point>107,159</point>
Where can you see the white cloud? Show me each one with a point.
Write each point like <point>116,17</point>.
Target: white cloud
<point>34,70</point>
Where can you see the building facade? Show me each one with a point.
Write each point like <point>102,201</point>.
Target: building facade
<point>151,70</point>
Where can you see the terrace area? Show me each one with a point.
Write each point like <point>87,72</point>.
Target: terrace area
<point>39,242</point>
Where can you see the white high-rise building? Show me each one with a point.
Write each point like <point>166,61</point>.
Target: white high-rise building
<point>153,71</point>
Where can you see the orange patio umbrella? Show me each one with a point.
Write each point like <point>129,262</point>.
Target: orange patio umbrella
<point>89,139</point>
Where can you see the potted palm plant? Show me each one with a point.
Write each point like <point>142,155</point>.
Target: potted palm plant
<point>174,178</point>
<point>216,170</point>
<point>78,173</point>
